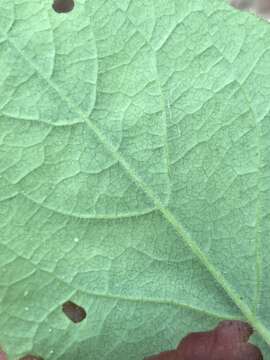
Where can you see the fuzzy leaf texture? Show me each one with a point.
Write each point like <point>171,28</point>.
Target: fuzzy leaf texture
<point>134,175</point>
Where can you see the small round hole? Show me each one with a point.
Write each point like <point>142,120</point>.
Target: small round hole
<point>74,312</point>
<point>63,6</point>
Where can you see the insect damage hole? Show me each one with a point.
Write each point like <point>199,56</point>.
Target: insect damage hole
<point>74,312</point>
<point>63,6</point>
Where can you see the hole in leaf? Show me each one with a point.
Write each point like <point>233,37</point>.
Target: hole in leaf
<point>31,357</point>
<point>74,312</point>
<point>63,6</point>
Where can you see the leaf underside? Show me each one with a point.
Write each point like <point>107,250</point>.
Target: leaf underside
<point>134,175</point>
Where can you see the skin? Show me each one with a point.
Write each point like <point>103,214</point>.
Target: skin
<point>261,7</point>
<point>228,341</point>
<point>3,355</point>
<point>241,4</point>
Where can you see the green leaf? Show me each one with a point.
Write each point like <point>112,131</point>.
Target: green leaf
<point>134,162</point>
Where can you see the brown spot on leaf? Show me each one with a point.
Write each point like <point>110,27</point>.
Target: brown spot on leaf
<point>74,312</point>
<point>228,341</point>
<point>63,6</point>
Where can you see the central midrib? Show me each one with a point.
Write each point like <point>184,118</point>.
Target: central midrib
<point>167,214</point>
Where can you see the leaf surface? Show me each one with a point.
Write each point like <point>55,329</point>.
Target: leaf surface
<point>134,175</point>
